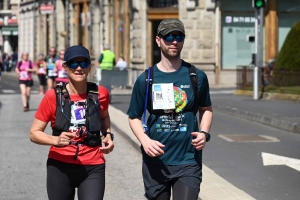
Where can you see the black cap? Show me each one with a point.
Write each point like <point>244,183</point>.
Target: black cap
<point>75,52</point>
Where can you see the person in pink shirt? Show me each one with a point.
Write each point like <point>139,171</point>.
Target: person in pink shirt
<point>25,69</point>
<point>62,76</point>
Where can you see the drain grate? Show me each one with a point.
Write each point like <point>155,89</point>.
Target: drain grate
<point>249,138</point>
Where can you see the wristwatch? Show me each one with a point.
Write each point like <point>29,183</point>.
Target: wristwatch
<point>111,135</point>
<point>207,135</point>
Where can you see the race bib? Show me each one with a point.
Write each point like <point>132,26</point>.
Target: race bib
<point>42,71</point>
<point>52,73</point>
<point>24,75</point>
<point>77,114</point>
<point>62,74</point>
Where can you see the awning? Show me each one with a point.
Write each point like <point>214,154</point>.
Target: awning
<point>9,30</point>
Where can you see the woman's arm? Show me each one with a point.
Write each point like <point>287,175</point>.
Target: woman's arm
<point>38,136</point>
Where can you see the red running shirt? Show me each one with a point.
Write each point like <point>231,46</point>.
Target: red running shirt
<point>86,155</point>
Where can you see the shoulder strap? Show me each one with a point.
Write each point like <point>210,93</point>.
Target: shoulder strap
<point>194,81</point>
<point>19,64</point>
<point>92,90</point>
<point>149,84</point>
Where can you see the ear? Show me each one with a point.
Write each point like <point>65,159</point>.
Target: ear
<point>157,39</point>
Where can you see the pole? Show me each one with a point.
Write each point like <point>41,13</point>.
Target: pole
<point>259,24</point>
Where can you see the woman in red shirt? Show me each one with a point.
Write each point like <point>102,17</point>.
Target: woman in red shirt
<point>25,69</point>
<point>72,161</point>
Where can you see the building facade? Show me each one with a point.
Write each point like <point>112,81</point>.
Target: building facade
<point>216,30</point>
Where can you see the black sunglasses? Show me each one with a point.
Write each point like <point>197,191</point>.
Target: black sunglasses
<point>170,37</point>
<point>74,64</point>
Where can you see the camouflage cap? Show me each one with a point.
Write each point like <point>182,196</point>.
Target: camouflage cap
<point>168,25</point>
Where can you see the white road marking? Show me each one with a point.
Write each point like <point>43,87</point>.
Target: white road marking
<point>272,159</point>
<point>9,91</point>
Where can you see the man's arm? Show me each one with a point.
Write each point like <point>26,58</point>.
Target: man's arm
<point>152,147</point>
<point>205,120</point>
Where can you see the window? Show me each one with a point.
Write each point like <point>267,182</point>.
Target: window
<point>162,3</point>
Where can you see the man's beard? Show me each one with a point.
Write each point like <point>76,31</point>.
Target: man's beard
<point>171,56</point>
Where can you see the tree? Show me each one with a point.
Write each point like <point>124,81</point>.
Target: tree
<point>289,55</point>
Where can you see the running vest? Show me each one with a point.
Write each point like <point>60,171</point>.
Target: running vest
<point>107,62</point>
<point>92,114</point>
<point>194,82</point>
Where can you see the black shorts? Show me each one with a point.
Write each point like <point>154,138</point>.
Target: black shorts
<point>52,77</point>
<point>42,79</point>
<point>28,83</point>
<point>158,177</point>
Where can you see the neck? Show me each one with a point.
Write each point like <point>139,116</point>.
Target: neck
<point>76,88</point>
<point>167,65</point>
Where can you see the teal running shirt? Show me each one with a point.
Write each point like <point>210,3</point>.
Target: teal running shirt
<point>172,130</point>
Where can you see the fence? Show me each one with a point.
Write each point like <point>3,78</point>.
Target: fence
<point>117,78</point>
<point>279,81</point>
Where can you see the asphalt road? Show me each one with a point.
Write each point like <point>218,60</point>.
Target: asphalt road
<point>241,162</point>
<point>22,168</point>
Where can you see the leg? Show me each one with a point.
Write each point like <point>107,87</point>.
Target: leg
<point>23,94</point>
<point>92,187</point>
<point>50,83</point>
<point>184,192</point>
<point>28,90</point>
<point>59,186</point>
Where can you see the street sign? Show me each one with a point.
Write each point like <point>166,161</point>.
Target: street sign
<point>46,9</point>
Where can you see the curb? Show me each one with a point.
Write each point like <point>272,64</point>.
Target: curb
<point>271,96</point>
<point>277,123</point>
<point>213,187</point>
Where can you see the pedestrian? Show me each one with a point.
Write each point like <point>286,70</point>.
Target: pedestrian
<point>106,64</point>
<point>77,111</point>
<point>171,141</point>
<point>25,69</point>
<point>121,64</point>
<point>62,76</point>
<point>41,67</point>
<point>51,74</point>
<point>5,59</point>
<point>14,59</point>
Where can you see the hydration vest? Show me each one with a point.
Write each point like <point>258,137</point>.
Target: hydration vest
<point>194,83</point>
<point>92,115</point>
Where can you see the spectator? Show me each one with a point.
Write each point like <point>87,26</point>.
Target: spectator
<point>121,64</point>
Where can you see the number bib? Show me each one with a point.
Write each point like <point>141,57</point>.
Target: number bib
<point>24,75</point>
<point>62,74</point>
<point>51,73</point>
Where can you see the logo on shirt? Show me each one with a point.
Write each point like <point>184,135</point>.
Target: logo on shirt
<point>185,86</point>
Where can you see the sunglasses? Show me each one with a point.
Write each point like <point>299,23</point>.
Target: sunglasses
<point>74,64</point>
<point>170,37</point>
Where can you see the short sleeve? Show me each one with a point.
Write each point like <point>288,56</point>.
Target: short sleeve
<point>103,97</point>
<point>203,90</point>
<point>137,102</point>
<point>47,109</point>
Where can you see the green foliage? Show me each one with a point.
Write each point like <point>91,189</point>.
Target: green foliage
<point>289,55</point>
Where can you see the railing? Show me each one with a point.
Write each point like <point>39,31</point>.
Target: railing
<point>277,81</point>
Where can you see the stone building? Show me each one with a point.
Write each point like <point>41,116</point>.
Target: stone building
<point>216,30</point>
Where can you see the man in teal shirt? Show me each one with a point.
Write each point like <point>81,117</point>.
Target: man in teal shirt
<point>172,147</point>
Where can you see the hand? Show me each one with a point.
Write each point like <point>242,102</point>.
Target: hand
<point>152,148</point>
<point>199,141</point>
<point>109,145</point>
<point>64,139</point>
